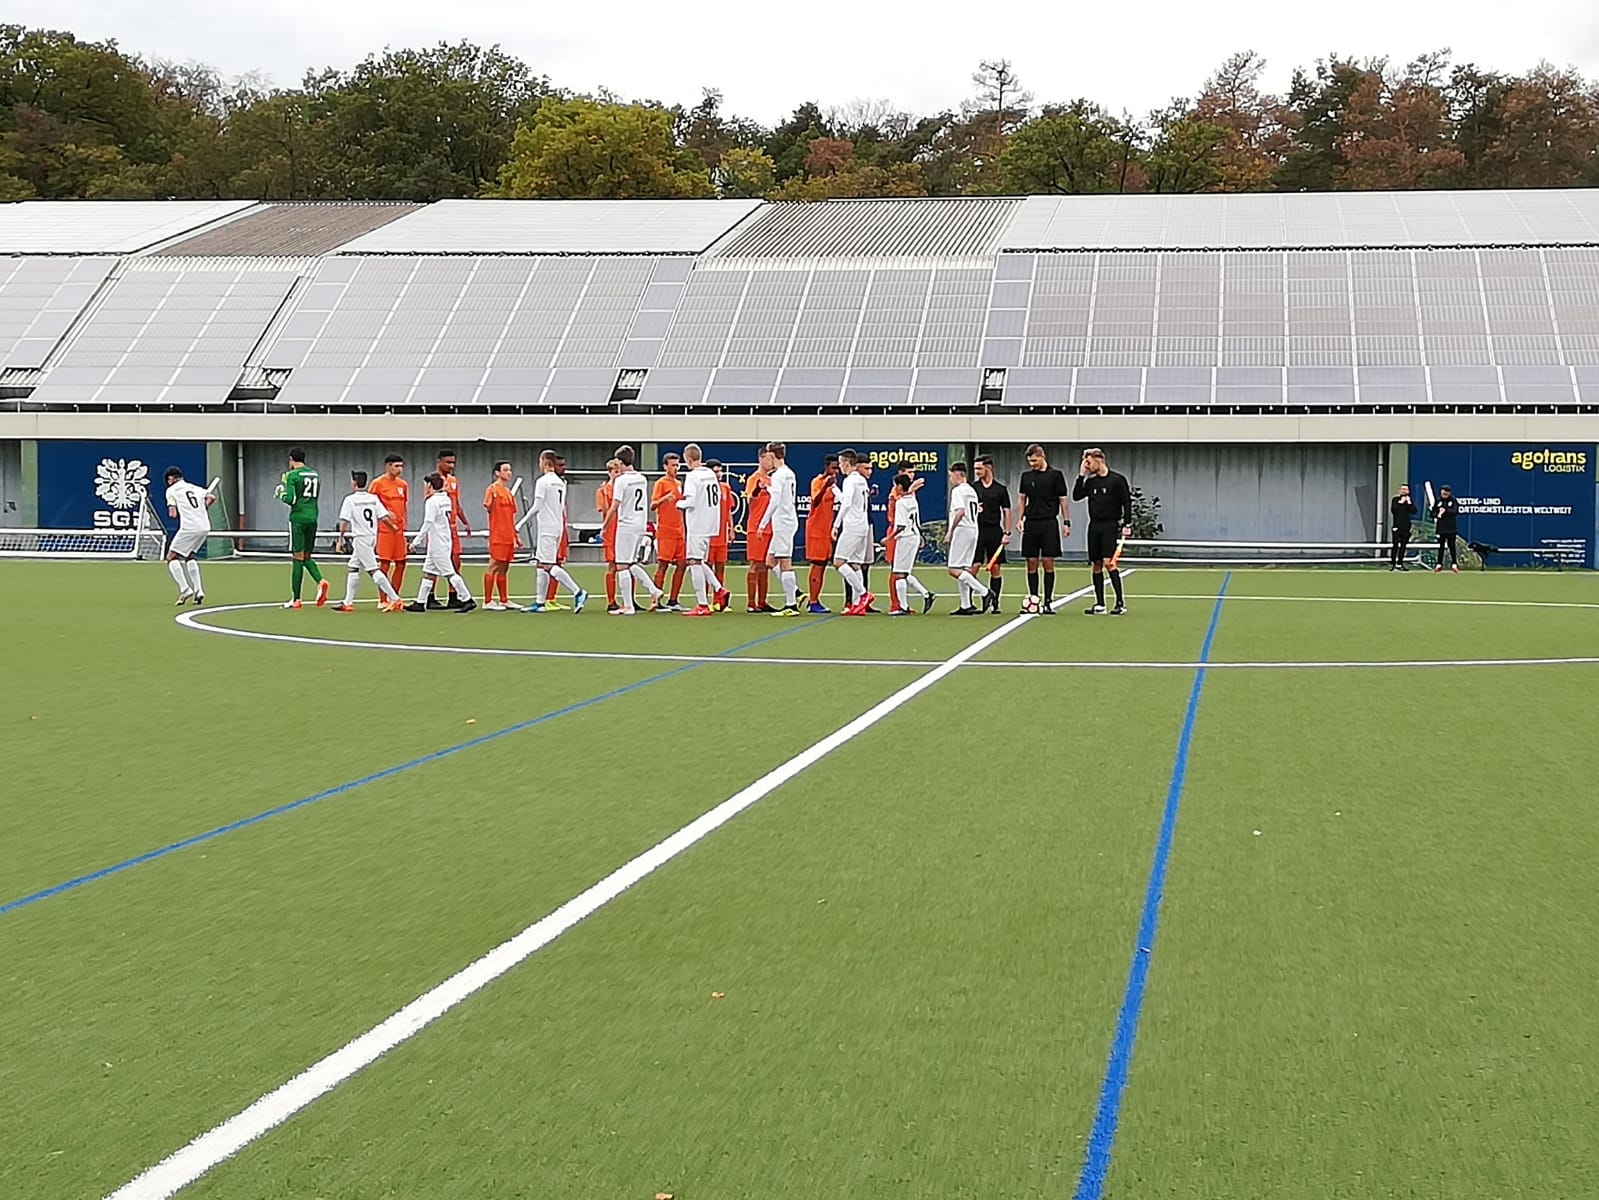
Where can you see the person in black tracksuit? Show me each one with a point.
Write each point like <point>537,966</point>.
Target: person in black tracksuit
<point>1110,518</point>
<point>1446,518</point>
<point>1402,512</point>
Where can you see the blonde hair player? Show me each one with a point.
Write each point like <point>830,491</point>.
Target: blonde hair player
<point>549,510</point>
<point>701,507</point>
<point>780,522</point>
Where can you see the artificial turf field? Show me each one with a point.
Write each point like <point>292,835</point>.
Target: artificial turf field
<point>907,971</point>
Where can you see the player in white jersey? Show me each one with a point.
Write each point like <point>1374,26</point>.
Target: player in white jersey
<point>852,528</point>
<point>906,515</point>
<point>360,517</point>
<point>187,503</point>
<point>702,517</point>
<point>782,518</point>
<point>549,510</point>
<point>438,517</point>
<point>630,507</point>
<point>963,509</point>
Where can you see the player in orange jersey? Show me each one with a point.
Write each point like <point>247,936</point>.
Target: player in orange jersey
<point>757,541</point>
<point>458,525</point>
<point>669,535</point>
<point>395,494</point>
<point>504,539</point>
<point>819,528</point>
<point>602,505</point>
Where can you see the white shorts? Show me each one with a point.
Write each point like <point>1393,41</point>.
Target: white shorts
<point>782,545</point>
<point>631,545</point>
<point>438,562</point>
<point>548,549</point>
<point>187,542</point>
<point>962,550</point>
<point>905,551</point>
<point>699,547</point>
<point>854,546</point>
<point>363,555</point>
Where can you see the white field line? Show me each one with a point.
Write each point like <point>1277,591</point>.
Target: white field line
<point>1375,600</point>
<point>215,1146</point>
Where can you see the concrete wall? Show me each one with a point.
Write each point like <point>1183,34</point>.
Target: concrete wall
<point>1310,492</point>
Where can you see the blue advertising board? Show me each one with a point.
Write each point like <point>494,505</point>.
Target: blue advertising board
<point>102,485</point>
<point>739,463</point>
<point>1537,500</point>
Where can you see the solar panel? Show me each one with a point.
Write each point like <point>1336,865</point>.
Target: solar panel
<point>170,331</point>
<point>40,298</point>
<point>105,226</point>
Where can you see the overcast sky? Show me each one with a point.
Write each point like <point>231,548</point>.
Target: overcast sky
<point>766,57</point>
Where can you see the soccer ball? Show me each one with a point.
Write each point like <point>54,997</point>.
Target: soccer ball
<point>1030,604</point>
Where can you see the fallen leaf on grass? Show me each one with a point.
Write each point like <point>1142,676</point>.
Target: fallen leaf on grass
<point>471,720</point>
<point>663,1196</point>
<point>718,995</point>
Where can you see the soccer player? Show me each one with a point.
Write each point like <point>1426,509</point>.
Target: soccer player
<point>551,604</point>
<point>1446,516</point>
<point>299,490</point>
<point>717,562</point>
<point>963,514</point>
<point>438,519</point>
<point>458,525</point>
<point>758,535</point>
<point>395,494</point>
<point>899,491</point>
<point>603,496</point>
<point>504,538</point>
<point>361,516</point>
<point>864,468</point>
<point>188,504</point>
<point>1045,501</point>
<point>779,523</point>
<point>701,506</point>
<point>852,528</point>
<point>819,530</point>
<point>1402,510</point>
<point>549,510</point>
<point>1110,517</point>
<point>994,520</point>
<point>905,517</point>
<point>668,531</point>
<point>630,513</point>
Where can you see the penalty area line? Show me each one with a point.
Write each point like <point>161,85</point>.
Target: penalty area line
<point>217,1145</point>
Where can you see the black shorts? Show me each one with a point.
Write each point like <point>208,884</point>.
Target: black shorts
<point>1102,541</point>
<point>1041,539</point>
<point>990,541</point>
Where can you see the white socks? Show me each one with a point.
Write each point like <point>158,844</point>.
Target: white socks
<point>853,578</point>
<point>194,577</point>
<point>901,591</point>
<point>790,589</point>
<point>458,586</point>
<point>640,575</point>
<point>917,586</point>
<point>624,590</point>
<point>698,573</point>
<point>559,574</point>
<point>351,582</point>
<point>968,581</point>
<point>384,586</point>
<point>180,576</point>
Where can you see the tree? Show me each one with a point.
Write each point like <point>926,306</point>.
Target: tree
<point>1545,133</point>
<point>1187,154</point>
<point>583,149</point>
<point>856,181</point>
<point>1000,94</point>
<point>744,174</point>
<point>1315,113</point>
<point>1395,135</point>
<point>788,144</point>
<point>1257,137</point>
<point>705,130</point>
<point>1075,149</point>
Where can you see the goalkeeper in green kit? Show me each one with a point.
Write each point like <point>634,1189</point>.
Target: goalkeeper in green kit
<point>299,490</point>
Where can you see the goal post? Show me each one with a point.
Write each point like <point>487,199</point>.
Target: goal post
<point>144,540</point>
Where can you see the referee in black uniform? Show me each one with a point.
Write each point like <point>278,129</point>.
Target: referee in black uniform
<point>1110,518</point>
<point>993,526</point>
<point>1044,499</point>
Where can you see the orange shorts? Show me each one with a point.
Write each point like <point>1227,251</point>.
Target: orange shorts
<point>718,554</point>
<point>610,544</point>
<point>391,545</point>
<point>819,547</point>
<point>502,551</point>
<point>669,547</point>
<point>760,543</point>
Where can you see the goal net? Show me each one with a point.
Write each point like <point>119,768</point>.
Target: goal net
<point>1163,553</point>
<point>144,539</point>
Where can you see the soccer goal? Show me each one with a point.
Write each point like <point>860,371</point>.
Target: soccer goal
<point>144,540</point>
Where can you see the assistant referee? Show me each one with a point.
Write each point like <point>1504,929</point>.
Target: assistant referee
<point>1110,518</point>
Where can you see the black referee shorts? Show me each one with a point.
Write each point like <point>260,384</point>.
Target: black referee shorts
<point>1041,539</point>
<point>1102,541</point>
<point>990,541</point>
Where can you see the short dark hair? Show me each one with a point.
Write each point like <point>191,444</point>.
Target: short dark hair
<point>1444,487</point>
<point>671,456</point>
<point>504,462</point>
<point>173,473</point>
<point>958,466</point>
<point>1035,448</point>
<point>446,453</point>
<point>358,478</point>
<point>848,456</point>
<point>713,463</point>
<point>393,458</point>
<point>777,449</point>
<point>983,460</point>
<point>829,460</point>
<point>297,453</point>
<point>624,455</point>
<point>903,482</point>
<point>434,480</point>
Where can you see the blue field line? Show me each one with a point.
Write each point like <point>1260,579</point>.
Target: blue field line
<point>1101,1139</point>
<point>386,773</point>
